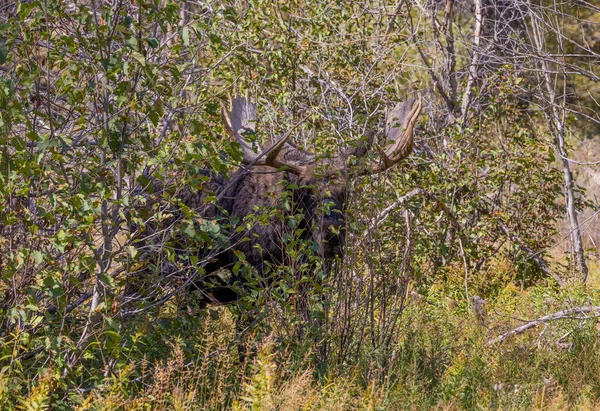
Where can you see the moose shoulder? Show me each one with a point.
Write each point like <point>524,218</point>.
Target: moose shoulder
<point>315,188</point>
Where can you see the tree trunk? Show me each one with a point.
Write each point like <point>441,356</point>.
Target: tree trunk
<point>556,117</point>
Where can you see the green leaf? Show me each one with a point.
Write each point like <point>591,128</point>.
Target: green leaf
<point>3,53</point>
<point>132,42</point>
<point>189,231</point>
<point>106,279</point>
<point>38,257</point>
<point>146,183</point>
<point>132,251</point>
<point>185,36</point>
<point>195,127</point>
<point>139,57</point>
<point>18,143</point>
<point>112,339</point>
<point>153,42</point>
<point>153,116</point>
<point>44,145</point>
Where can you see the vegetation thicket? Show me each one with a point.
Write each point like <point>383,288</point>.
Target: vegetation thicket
<point>469,276</point>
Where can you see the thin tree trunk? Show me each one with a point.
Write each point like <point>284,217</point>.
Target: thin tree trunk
<point>556,115</point>
<point>466,100</point>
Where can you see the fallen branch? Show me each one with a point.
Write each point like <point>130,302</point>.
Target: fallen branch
<point>577,313</point>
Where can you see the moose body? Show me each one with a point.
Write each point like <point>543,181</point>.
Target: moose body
<point>317,191</point>
<point>260,190</point>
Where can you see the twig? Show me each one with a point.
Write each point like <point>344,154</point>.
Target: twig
<point>383,215</point>
<point>82,299</point>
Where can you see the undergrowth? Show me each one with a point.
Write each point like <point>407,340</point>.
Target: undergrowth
<point>442,359</point>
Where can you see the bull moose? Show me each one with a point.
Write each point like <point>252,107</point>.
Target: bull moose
<point>316,187</point>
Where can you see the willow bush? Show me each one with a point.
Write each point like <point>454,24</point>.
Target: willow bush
<point>111,109</point>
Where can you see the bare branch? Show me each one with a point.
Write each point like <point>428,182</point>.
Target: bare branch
<point>577,313</point>
<point>474,66</point>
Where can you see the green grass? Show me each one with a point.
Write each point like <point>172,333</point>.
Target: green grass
<point>439,360</point>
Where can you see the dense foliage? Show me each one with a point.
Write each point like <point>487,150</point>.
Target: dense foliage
<point>110,112</point>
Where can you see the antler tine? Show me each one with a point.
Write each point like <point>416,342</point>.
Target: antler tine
<point>273,152</point>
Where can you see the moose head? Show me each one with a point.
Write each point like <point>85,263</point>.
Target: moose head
<point>313,188</point>
<point>318,193</point>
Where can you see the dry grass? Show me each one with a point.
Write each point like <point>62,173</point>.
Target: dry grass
<point>441,362</point>
<point>267,386</point>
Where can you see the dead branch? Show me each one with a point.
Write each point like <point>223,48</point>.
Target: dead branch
<point>578,313</point>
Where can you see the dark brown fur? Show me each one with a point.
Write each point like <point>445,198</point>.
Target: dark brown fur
<point>256,192</point>
<point>261,191</point>
<point>260,188</point>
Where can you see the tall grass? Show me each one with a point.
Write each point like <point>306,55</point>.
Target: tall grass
<point>441,360</point>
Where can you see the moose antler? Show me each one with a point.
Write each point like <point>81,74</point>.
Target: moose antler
<point>240,118</point>
<point>399,132</point>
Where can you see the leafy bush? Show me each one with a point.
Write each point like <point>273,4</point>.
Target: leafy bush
<point>109,118</point>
